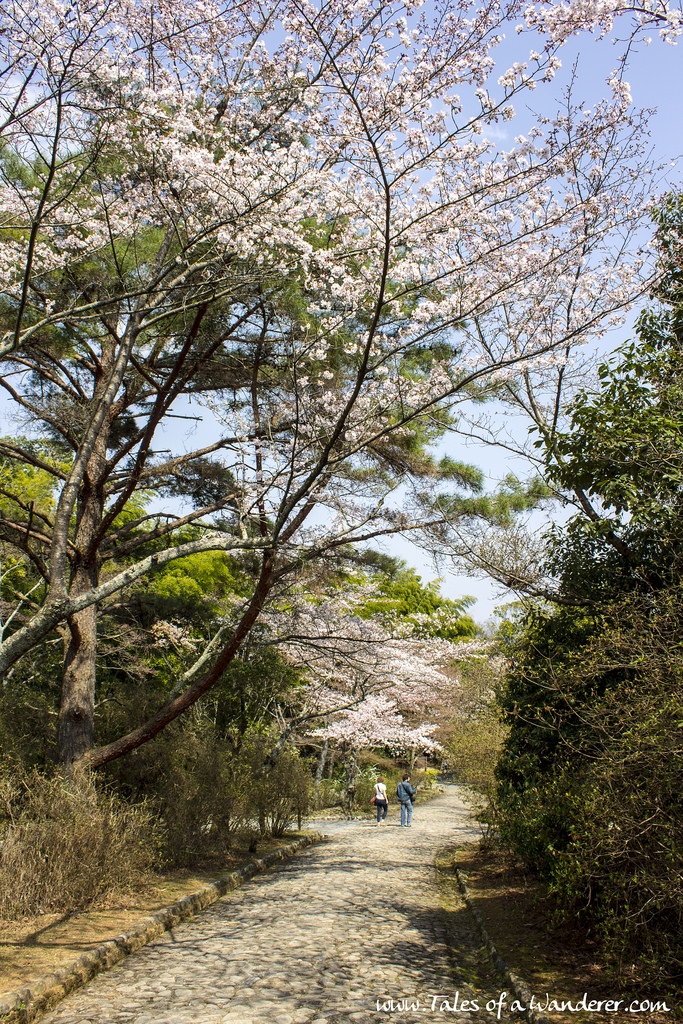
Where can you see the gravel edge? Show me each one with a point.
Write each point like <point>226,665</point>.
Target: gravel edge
<point>43,993</point>
<point>519,987</point>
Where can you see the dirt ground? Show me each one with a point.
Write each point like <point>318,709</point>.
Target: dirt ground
<point>40,945</point>
<point>557,963</point>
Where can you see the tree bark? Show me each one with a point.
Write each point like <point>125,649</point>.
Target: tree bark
<point>351,767</point>
<point>76,724</point>
<point>76,729</point>
<point>321,762</point>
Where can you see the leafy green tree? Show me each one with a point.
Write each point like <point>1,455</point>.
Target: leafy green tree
<point>590,774</point>
<point>399,594</point>
<point>623,453</point>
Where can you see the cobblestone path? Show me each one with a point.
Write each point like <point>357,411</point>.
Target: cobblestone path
<point>333,937</point>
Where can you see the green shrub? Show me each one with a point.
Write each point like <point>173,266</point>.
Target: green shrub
<point>205,798</point>
<point>591,783</point>
<point>473,748</point>
<point>326,793</point>
<point>214,790</point>
<point>281,793</point>
<point>625,846</point>
<point>429,778</point>
<point>474,734</point>
<point>65,845</point>
<point>365,784</point>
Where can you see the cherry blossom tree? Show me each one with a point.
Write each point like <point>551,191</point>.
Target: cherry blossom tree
<point>560,21</point>
<point>292,214</point>
<point>363,681</point>
<point>377,682</point>
<point>369,683</point>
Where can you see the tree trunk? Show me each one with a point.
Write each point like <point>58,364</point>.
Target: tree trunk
<point>76,728</point>
<point>321,762</point>
<point>76,733</point>
<point>351,767</point>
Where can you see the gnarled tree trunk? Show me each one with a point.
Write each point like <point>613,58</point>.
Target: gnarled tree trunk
<point>76,728</point>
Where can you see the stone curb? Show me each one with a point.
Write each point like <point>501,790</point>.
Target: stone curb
<point>24,1005</point>
<point>519,987</point>
<point>334,817</point>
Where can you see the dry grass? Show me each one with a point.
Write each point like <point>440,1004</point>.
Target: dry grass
<point>65,845</point>
<point>43,943</point>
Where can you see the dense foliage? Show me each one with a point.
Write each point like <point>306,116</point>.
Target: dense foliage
<point>591,776</point>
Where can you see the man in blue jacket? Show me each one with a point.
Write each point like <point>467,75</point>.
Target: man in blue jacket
<point>406,794</point>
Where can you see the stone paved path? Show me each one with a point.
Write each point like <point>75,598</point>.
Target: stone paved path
<point>317,941</point>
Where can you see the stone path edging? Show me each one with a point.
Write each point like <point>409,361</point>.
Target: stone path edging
<point>519,987</point>
<point>24,1005</point>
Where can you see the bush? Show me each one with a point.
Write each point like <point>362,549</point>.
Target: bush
<point>65,845</point>
<point>473,748</point>
<point>282,793</point>
<point>365,784</point>
<point>206,798</point>
<point>591,779</point>
<point>429,778</point>
<point>215,794</point>
<point>625,846</point>
<point>475,733</point>
<point>326,793</point>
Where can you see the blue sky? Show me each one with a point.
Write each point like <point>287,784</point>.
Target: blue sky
<point>655,74</point>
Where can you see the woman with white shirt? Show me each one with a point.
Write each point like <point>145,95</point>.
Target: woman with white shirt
<point>381,800</point>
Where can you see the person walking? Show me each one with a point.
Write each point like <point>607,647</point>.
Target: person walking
<point>381,800</point>
<point>406,794</point>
